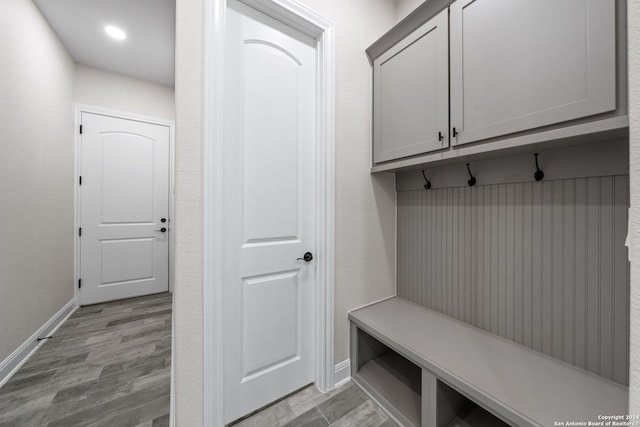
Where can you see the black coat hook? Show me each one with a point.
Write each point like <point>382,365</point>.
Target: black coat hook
<point>427,184</point>
<point>472,179</point>
<point>539,175</point>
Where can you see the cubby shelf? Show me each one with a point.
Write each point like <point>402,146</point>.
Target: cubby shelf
<point>396,381</point>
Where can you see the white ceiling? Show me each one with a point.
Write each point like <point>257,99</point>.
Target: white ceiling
<point>148,52</point>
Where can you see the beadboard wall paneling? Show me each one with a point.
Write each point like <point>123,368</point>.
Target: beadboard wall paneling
<point>542,264</point>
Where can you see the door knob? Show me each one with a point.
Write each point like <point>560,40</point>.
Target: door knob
<point>162,230</point>
<point>163,219</point>
<point>307,257</point>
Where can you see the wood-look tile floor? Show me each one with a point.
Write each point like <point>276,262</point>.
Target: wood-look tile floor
<point>108,365</point>
<point>342,407</point>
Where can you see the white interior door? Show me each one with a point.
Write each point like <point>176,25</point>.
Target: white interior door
<point>269,210</point>
<point>124,208</point>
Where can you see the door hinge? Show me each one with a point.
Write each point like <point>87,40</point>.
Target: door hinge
<point>80,180</point>
<point>80,231</point>
<point>79,283</point>
<point>80,128</point>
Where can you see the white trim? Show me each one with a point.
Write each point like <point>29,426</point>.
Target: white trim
<point>123,114</point>
<point>308,22</point>
<point>15,360</point>
<point>78,110</point>
<point>342,373</point>
<point>213,369</point>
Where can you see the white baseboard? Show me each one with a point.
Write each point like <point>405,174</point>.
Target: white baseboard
<point>341,373</point>
<point>172,393</point>
<point>11,364</point>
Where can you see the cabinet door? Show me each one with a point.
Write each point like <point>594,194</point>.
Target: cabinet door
<point>519,65</point>
<point>411,99</point>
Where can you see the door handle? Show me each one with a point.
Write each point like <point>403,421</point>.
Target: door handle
<point>162,230</point>
<point>307,257</point>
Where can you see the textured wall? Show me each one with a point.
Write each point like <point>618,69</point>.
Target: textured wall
<point>543,264</point>
<point>36,173</point>
<point>110,90</point>
<point>634,174</point>
<point>405,7</point>
<point>188,217</point>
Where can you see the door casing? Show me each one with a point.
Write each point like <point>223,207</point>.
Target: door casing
<point>308,22</point>
<point>83,108</point>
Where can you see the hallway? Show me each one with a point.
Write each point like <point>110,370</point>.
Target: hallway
<point>108,364</point>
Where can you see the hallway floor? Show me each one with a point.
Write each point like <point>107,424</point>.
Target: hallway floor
<point>346,406</point>
<point>108,365</point>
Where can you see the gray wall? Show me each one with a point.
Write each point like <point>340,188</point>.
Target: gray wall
<point>36,174</point>
<point>543,264</point>
<point>405,7</point>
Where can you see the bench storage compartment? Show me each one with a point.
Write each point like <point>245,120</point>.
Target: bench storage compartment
<point>452,409</point>
<point>426,369</point>
<point>390,378</point>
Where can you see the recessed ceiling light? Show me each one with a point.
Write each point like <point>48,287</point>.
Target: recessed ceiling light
<point>115,32</point>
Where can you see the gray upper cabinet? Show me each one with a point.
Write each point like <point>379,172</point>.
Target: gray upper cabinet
<point>411,93</point>
<point>463,79</point>
<point>521,65</point>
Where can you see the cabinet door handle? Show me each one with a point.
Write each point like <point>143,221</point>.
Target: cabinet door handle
<point>454,132</point>
<point>440,136</point>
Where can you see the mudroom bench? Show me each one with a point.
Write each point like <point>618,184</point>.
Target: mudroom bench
<point>428,369</point>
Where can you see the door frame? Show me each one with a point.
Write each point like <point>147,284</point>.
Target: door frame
<point>308,22</point>
<point>92,109</point>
